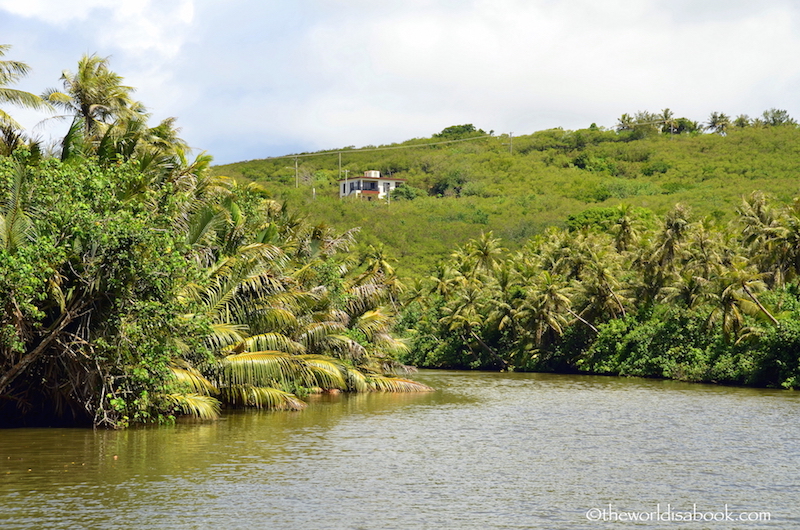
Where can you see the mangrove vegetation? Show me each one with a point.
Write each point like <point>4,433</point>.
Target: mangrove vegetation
<point>137,286</point>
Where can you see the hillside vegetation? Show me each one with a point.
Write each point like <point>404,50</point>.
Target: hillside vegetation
<point>462,182</point>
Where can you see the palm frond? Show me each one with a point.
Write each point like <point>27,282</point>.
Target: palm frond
<point>202,223</point>
<point>382,383</point>
<point>343,345</point>
<point>388,344</point>
<point>357,381</point>
<point>219,295</point>
<point>261,397</point>
<point>327,372</point>
<point>191,377</point>
<point>224,335</point>
<point>317,333</point>
<point>198,405</point>
<point>365,298</point>
<point>261,368</point>
<point>263,251</point>
<point>372,322</point>
<point>261,282</point>
<point>271,318</point>
<point>270,341</point>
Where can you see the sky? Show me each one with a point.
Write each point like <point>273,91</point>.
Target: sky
<point>249,79</point>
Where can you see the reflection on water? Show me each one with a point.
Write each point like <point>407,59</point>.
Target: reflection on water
<point>483,451</point>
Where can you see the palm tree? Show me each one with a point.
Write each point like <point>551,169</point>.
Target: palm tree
<point>504,307</point>
<point>707,251</point>
<point>485,251</point>
<point>667,117</point>
<point>742,121</point>
<point>94,95</point>
<point>673,234</point>
<point>718,122</point>
<point>777,117</point>
<point>283,323</point>
<point>625,228</point>
<point>737,287</point>
<point>626,122</point>
<point>690,289</point>
<point>10,73</point>
<point>465,314</point>
<point>545,306</point>
<point>601,289</point>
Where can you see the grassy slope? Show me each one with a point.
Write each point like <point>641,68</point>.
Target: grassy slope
<point>551,174</point>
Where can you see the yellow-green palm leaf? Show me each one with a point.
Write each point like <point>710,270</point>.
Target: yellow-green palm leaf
<point>261,368</point>
<point>326,372</point>
<point>261,397</point>
<point>382,383</point>
<point>198,405</point>
<point>191,377</point>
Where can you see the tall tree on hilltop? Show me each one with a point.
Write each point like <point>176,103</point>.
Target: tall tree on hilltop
<point>667,117</point>
<point>777,117</point>
<point>718,122</point>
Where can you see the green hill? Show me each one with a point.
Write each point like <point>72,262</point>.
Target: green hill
<point>469,182</point>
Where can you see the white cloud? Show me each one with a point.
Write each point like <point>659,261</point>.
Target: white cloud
<point>248,79</point>
<point>54,12</point>
<point>134,26</point>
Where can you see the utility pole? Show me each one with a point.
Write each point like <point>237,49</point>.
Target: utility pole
<point>296,177</point>
<point>510,143</point>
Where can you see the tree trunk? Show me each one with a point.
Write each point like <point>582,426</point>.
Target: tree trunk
<point>760,306</point>
<point>493,353</point>
<point>576,315</point>
<point>35,353</point>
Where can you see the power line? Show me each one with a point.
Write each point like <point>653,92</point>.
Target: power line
<point>367,149</point>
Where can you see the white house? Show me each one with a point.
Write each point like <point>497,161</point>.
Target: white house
<point>370,186</point>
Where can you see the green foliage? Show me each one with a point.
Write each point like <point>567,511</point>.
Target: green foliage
<point>136,287</point>
<point>623,293</point>
<point>408,193</point>
<point>459,131</point>
<point>537,180</point>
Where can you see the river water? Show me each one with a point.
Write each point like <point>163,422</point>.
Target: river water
<point>486,450</point>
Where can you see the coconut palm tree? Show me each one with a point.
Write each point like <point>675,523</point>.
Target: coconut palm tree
<point>718,122</point>
<point>626,122</point>
<point>464,317</point>
<point>485,251</point>
<point>544,310</point>
<point>94,95</point>
<point>10,73</point>
<point>275,328</point>
<point>670,123</point>
<point>625,228</point>
<point>736,297</point>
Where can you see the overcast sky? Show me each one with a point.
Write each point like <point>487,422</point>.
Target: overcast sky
<point>256,78</point>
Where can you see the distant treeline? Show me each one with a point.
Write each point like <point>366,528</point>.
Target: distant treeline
<point>622,291</point>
